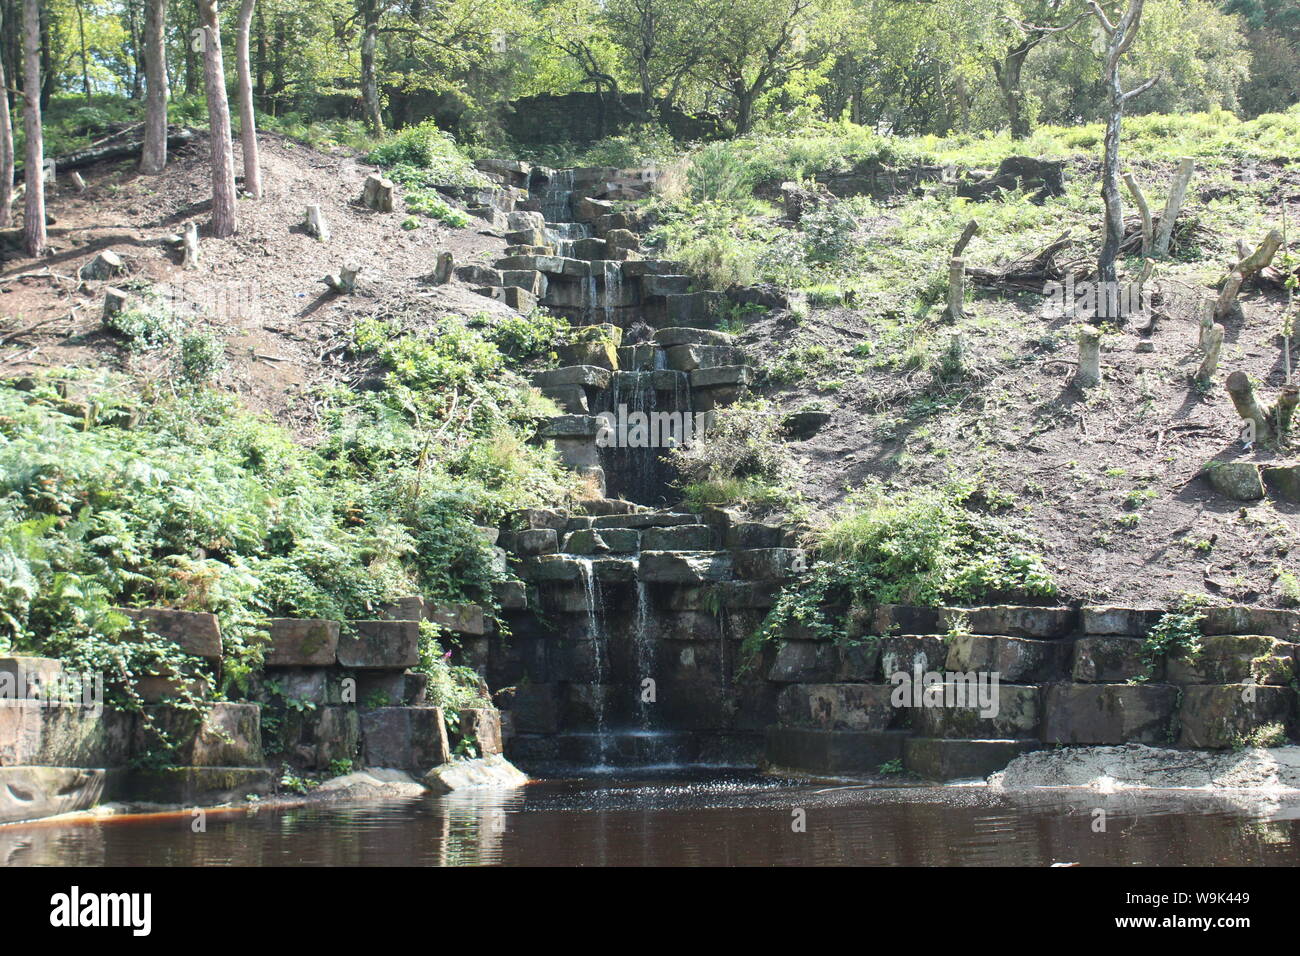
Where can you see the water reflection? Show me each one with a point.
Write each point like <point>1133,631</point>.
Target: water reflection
<point>734,820</point>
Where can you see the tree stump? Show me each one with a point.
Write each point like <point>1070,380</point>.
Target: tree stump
<point>115,301</point>
<point>1144,210</point>
<point>1212,343</point>
<point>1089,371</point>
<point>78,183</point>
<point>1243,270</point>
<point>956,288</point>
<point>1242,393</point>
<point>345,280</point>
<point>378,193</point>
<point>315,224</point>
<point>190,246</point>
<point>442,271</point>
<point>106,265</point>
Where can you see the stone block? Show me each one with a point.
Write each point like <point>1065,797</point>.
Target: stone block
<point>195,632</point>
<point>29,678</point>
<point>752,534</point>
<point>721,375</point>
<point>1234,659</point>
<point>1098,714</point>
<point>960,716</point>
<point>684,567</point>
<point>481,726</point>
<point>1016,621</point>
<point>537,541</point>
<point>404,738</point>
<point>32,793</point>
<point>684,335</point>
<point>314,739</point>
<point>831,751</point>
<point>1111,659</point>
<point>1124,621</point>
<point>63,735</point>
<point>194,786</point>
<point>227,735</point>
<point>1238,480</point>
<point>301,643</point>
<point>838,706</point>
<point>1252,620</point>
<point>457,618</point>
<point>804,662</point>
<point>682,537</point>
<point>1014,659</point>
<point>908,653</point>
<point>935,758</point>
<point>767,564</point>
<point>1213,716</point>
<point>380,644</point>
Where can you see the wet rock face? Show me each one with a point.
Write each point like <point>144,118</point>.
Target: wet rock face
<point>1227,715</point>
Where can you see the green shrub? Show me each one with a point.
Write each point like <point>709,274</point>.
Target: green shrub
<point>718,173</point>
<point>202,355</point>
<point>920,546</point>
<point>427,148</point>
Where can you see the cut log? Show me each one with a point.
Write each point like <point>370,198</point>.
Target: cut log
<point>78,183</point>
<point>1212,344</point>
<point>345,280</point>
<point>190,246</point>
<point>378,193</point>
<point>315,224</point>
<point>1089,371</point>
<point>1242,393</point>
<point>1173,205</point>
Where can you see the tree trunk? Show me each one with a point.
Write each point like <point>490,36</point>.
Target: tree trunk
<point>34,213</point>
<point>1143,209</point>
<point>1177,190</point>
<point>369,80</point>
<point>153,157</point>
<point>1008,77</point>
<point>1242,394</point>
<point>223,164</point>
<point>247,121</point>
<point>6,152</point>
<point>1089,371</point>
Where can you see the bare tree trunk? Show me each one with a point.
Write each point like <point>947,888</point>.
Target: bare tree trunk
<point>223,164</point>
<point>1243,270</point>
<point>34,212</point>
<point>1242,394</point>
<point>1119,37</point>
<point>1213,345</point>
<point>1143,209</point>
<point>247,121</point>
<point>369,80</point>
<point>153,157</point>
<point>6,152</point>
<point>1177,190</point>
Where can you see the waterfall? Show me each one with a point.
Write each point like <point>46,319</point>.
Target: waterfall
<point>613,286</point>
<point>644,648</point>
<point>562,235</point>
<point>589,297</point>
<point>556,196</point>
<point>596,632</point>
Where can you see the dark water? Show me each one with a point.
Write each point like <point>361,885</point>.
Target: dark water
<point>676,820</point>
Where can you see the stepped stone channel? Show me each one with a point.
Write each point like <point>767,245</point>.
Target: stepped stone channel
<point>625,645</point>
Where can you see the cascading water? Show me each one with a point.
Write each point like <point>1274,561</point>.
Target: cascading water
<point>644,650</point>
<point>613,286</point>
<point>600,653</point>
<point>557,196</point>
<point>562,235</point>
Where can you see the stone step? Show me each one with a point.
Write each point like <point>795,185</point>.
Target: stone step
<point>591,541</point>
<point>839,706</point>
<point>29,678</point>
<point>955,711</point>
<point>941,759</point>
<point>685,567</point>
<point>644,519</point>
<point>197,633</point>
<point>1236,658</point>
<point>301,643</point>
<point>1014,659</point>
<point>832,751</point>
<point>1101,714</point>
<point>696,308</point>
<point>588,376</point>
<point>687,335</point>
<point>690,358</point>
<point>662,285</point>
<point>391,645</point>
<point>1010,620</point>
<point>1216,716</point>
<point>405,738</point>
<point>197,786</point>
<point>33,793</point>
<point>1112,659</point>
<point>570,426</point>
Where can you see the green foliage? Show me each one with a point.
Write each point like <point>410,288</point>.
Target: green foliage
<point>429,152</point>
<point>1176,634</point>
<point>718,173</point>
<point>744,442</point>
<point>202,355</point>
<point>450,686</point>
<point>919,546</point>
<point>145,327</point>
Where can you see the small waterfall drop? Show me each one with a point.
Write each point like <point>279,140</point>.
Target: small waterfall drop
<point>613,286</point>
<point>644,649</point>
<point>557,195</point>
<point>600,652</point>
